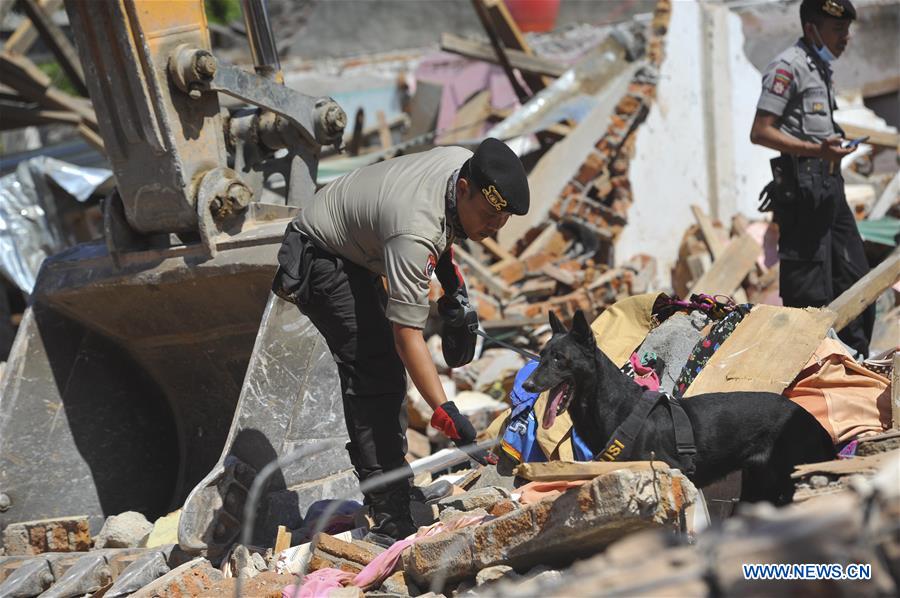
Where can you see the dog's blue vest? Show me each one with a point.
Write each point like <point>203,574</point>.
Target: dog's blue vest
<point>519,439</point>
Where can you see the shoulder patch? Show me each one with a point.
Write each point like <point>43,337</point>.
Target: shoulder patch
<point>430,264</point>
<point>781,82</point>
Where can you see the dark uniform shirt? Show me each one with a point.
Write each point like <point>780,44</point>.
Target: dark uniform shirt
<point>797,88</point>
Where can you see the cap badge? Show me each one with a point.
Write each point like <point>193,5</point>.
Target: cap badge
<point>493,196</point>
<point>833,8</point>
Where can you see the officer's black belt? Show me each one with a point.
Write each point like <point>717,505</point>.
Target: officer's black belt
<point>621,444</point>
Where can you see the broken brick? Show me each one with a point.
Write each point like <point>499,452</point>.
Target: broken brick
<point>358,552</point>
<point>64,534</point>
<point>577,523</point>
<point>194,578</point>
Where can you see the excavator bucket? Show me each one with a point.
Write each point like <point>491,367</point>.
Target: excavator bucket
<point>157,367</point>
<point>122,386</point>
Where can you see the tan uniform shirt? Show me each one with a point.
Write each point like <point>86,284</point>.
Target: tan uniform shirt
<point>795,89</point>
<point>391,219</point>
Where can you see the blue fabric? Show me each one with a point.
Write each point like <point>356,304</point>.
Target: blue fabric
<point>520,438</point>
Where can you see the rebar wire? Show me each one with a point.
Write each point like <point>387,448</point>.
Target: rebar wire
<point>253,496</point>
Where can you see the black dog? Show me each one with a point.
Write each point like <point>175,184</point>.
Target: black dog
<point>761,433</point>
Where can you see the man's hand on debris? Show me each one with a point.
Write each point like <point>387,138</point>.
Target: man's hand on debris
<point>454,425</point>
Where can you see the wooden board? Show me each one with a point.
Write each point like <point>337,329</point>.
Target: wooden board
<point>765,352</point>
<point>875,136</point>
<point>481,272</point>
<point>526,63</point>
<point>854,300</point>
<point>556,471</point>
<point>731,268</point>
<point>469,119</point>
<point>710,236</point>
<point>895,393</point>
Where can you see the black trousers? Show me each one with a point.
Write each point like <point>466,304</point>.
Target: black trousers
<point>346,304</point>
<point>820,249</point>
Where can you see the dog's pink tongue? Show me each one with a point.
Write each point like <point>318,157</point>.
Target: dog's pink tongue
<point>552,408</point>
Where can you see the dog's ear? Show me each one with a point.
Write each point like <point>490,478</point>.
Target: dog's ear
<point>582,330</point>
<point>555,325</point>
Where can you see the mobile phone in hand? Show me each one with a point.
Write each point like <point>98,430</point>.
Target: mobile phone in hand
<point>854,142</point>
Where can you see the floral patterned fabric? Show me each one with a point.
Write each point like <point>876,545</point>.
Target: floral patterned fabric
<point>705,348</point>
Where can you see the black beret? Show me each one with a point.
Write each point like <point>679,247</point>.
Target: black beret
<point>497,171</point>
<point>836,9</point>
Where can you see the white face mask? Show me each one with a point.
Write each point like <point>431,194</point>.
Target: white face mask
<point>823,51</point>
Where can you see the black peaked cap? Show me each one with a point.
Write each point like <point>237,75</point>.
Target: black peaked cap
<point>497,171</point>
<point>836,9</point>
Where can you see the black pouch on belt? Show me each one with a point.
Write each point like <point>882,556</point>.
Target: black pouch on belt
<point>295,259</point>
<point>782,191</point>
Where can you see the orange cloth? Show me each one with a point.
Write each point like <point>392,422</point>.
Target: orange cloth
<point>848,400</point>
<point>533,492</point>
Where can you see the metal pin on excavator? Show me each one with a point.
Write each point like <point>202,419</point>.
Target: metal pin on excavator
<point>154,370</point>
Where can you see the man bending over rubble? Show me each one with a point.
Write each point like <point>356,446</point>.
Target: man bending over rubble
<point>396,219</point>
<point>820,250</point>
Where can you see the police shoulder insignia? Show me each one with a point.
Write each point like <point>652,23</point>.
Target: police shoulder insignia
<point>782,81</point>
<point>833,8</point>
<point>493,196</point>
<point>430,265</point>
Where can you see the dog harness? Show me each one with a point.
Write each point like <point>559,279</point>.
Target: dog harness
<point>621,444</point>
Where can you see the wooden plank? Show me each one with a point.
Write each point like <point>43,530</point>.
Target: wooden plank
<point>490,27</point>
<point>21,40</point>
<point>712,240</point>
<point>538,288</point>
<point>895,393</point>
<point>561,471</point>
<point>384,133</point>
<point>469,119</point>
<point>58,42</point>
<point>566,277</point>
<point>876,136</point>
<point>765,352</point>
<point>500,253</point>
<point>731,268</point>
<point>282,539</point>
<point>715,245</point>
<point>526,63</point>
<point>857,298</point>
<point>512,38</point>
<point>480,271</point>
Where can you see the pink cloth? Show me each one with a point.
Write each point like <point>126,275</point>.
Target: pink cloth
<point>643,375</point>
<point>319,584</point>
<point>533,492</point>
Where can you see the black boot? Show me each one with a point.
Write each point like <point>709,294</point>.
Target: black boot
<point>390,510</point>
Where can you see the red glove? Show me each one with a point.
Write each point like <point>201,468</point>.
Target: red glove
<point>448,420</point>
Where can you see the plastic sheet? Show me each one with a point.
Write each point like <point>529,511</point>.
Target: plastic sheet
<point>29,229</point>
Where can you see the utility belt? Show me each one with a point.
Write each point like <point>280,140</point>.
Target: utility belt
<point>790,176</point>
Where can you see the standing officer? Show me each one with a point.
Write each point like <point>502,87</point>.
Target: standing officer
<point>396,219</point>
<point>820,250</point>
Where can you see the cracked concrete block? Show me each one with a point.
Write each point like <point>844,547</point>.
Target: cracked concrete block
<point>578,523</point>
<point>483,498</point>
